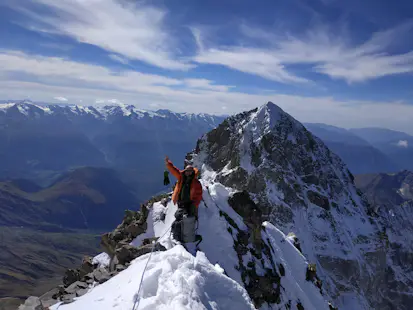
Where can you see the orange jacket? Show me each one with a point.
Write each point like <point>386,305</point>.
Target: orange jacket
<point>196,187</point>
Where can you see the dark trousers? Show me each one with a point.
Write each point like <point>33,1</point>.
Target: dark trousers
<point>183,209</point>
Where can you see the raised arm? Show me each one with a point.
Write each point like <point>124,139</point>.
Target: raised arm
<point>172,169</point>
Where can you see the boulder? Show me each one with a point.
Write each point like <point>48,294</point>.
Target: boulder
<point>120,268</point>
<point>71,276</point>
<point>74,287</point>
<point>69,298</point>
<point>101,275</point>
<point>50,298</point>
<point>81,292</point>
<point>87,265</point>
<point>127,253</point>
<point>135,229</point>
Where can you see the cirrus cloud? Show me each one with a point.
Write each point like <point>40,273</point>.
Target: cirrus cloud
<point>134,30</point>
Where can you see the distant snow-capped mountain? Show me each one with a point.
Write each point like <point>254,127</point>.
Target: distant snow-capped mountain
<point>106,112</point>
<point>41,140</point>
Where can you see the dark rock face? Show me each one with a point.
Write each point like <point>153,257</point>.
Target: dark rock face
<point>133,224</point>
<point>246,207</point>
<point>71,276</point>
<point>318,200</point>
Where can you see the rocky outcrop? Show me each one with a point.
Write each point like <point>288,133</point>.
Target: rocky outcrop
<point>133,224</point>
<point>77,282</point>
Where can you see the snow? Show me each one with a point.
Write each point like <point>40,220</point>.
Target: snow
<point>173,280</point>
<point>6,106</point>
<point>294,282</point>
<point>45,109</point>
<point>102,259</point>
<point>104,112</point>
<point>23,109</point>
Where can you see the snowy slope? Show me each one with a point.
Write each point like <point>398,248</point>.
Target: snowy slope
<point>300,186</point>
<point>176,280</point>
<point>173,280</point>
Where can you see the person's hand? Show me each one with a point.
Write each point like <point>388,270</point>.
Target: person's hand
<point>166,159</point>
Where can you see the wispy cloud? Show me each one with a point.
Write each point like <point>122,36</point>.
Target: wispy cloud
<point>326,52</point>
<point>43,78</point>
<point>118,58</point>
<point>59,71</point>
<point>63,99</point>
<point>206,84</point>
<point>403,143</point>
<point>131,29</point>
<point>259,62</point>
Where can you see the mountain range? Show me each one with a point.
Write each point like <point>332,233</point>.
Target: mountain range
<point>387,190</point>
<point>283,227</point>
<point>368,150</point>
<point>40,142</point>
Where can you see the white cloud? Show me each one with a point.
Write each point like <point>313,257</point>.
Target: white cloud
<point>255,61</point>
<point>326,52</point>
<point>206,84</point>
<point>403,143</point>
<point>48,77</point>
<point>63,99</point>
<point>131,29</point>
<point>118,58</point>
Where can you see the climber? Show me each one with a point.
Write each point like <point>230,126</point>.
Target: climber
<point>188,195</point>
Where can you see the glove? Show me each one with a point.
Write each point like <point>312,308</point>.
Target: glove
<point>166,180</point>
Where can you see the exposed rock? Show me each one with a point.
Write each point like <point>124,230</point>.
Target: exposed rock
<point>127,253</point>
<point>295,240</point>
<point>149,240</point>
<point>50,298</point>
<point>135,229</point>
<point>164,202</point>
<point>67,299</point>
<point>87,266</point>
<point>81,292</point>
<point>73,288</point>
<point>71,276</point>
<point>108,244</point>
<point>318,200</point>
<point>246,207</point>
<point>101,275</point>
<point>120,268</point>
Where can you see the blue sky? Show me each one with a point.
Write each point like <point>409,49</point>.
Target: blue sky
<point>346,63</point>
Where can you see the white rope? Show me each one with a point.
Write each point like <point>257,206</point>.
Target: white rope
<point>137,299</point>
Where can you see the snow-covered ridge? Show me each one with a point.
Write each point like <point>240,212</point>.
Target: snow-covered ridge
<point>175,279</point>
<point>29,109</point>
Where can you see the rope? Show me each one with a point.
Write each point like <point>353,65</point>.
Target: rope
<point>137,299</point>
